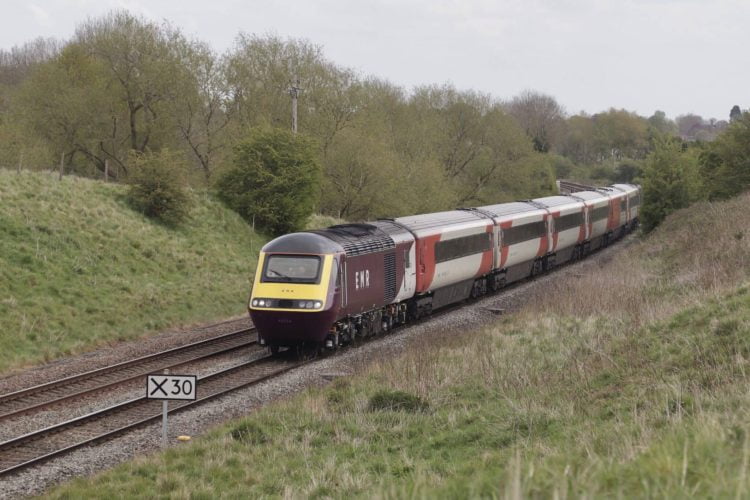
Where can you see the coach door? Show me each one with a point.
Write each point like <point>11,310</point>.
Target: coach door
<point>550,232</point>
<point>410,271</point>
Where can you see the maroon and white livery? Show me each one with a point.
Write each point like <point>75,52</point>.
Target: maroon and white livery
<point>362,279</point>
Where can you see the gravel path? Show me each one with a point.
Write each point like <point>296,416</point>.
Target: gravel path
<point>193,422</point>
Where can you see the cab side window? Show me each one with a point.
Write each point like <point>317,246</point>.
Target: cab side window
<point>336,277</point>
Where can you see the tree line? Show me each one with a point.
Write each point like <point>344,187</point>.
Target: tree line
<point>124,94</point>
<point>678,173</point>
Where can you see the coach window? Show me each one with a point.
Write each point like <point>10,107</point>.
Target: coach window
<point>569,221</point>
<point>461,247</point>
<point>524,232</point>
<point>599,213</point>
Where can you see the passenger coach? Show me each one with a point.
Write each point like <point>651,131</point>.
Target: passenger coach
<point>330,286</point>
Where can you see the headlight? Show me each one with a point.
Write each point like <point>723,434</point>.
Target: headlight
<point>287,304</point>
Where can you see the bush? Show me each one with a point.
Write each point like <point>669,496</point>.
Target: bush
<point>158,187</point>
<point>671,180</point>
<point>397,401</point>
<point>248,432</point>
<point>274,180</point>
<point>726,164</point>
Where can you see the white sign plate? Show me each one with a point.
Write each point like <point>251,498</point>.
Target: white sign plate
<point>171,387</point>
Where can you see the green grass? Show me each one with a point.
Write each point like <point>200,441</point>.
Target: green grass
<point>619,398</point>
<point>79,268</point>
<point>559,407</point>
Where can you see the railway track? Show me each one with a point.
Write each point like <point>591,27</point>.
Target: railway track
<point>568,187</point>
<point>39,446</point>
<point>45,395</point>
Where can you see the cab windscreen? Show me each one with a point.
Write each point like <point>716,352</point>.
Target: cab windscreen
<point>291,269</point>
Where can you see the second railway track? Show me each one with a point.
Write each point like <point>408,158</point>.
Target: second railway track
<point>38,446</point>
<point>44,395</point>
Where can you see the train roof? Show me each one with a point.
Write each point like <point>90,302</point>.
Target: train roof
<point>358,239</point>
<point>611,191</point>
<point>399,233</point>
<point>628,188</point>
<point>514,207</point>
<point>590,195</point>
<point>427,222</point>
<point>307,242</point>
<point>556,201</point>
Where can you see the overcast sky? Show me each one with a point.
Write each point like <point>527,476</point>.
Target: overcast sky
<point>678,56</point>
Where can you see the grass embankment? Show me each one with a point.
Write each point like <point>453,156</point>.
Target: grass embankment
<point>79,268</point>
<point>635,386</point>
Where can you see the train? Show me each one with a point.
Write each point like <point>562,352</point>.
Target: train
<point>323,289</point>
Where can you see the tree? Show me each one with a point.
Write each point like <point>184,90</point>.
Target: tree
<point>274,180</point>
<point>620,134</point>
<point>62,102</point>
<point>540,116</point>
<point>577,142</point>
<point>689,125</point>
<point>627,171</point>
<point>361,176</point>
<point>726,164</point>
<point>111,90</point>
<point>661,124</point>
<point>735,113</point>
<point>474,139</point>
<point>158,187</point>
<point>505,145</point>
<point>201,113</point>
<point>143,68</point>
<point>671,181</point>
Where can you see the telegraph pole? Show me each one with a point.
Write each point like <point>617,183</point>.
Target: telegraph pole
<point>294,92</point>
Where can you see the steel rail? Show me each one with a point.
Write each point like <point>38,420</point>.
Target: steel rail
<point>9,403</point>
<point>573,187</point>
<point>25,459</point>
<point>38,446</point>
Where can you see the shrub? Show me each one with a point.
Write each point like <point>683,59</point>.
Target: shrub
<point>671,180</point>
<point>248,432</point>
<point>274,180</point>
<point>158,187</point>
<point>726,163</point>
<point>397,401</point>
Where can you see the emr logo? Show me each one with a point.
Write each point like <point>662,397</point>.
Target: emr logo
<point>362,279</point>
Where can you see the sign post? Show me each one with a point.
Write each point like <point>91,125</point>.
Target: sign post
<point>164,412</point>
<point>166,387</point>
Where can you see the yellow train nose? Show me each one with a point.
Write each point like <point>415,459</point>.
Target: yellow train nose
<point>277,290</point>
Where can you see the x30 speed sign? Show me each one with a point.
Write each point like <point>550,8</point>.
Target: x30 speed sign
<point>171,387</point>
